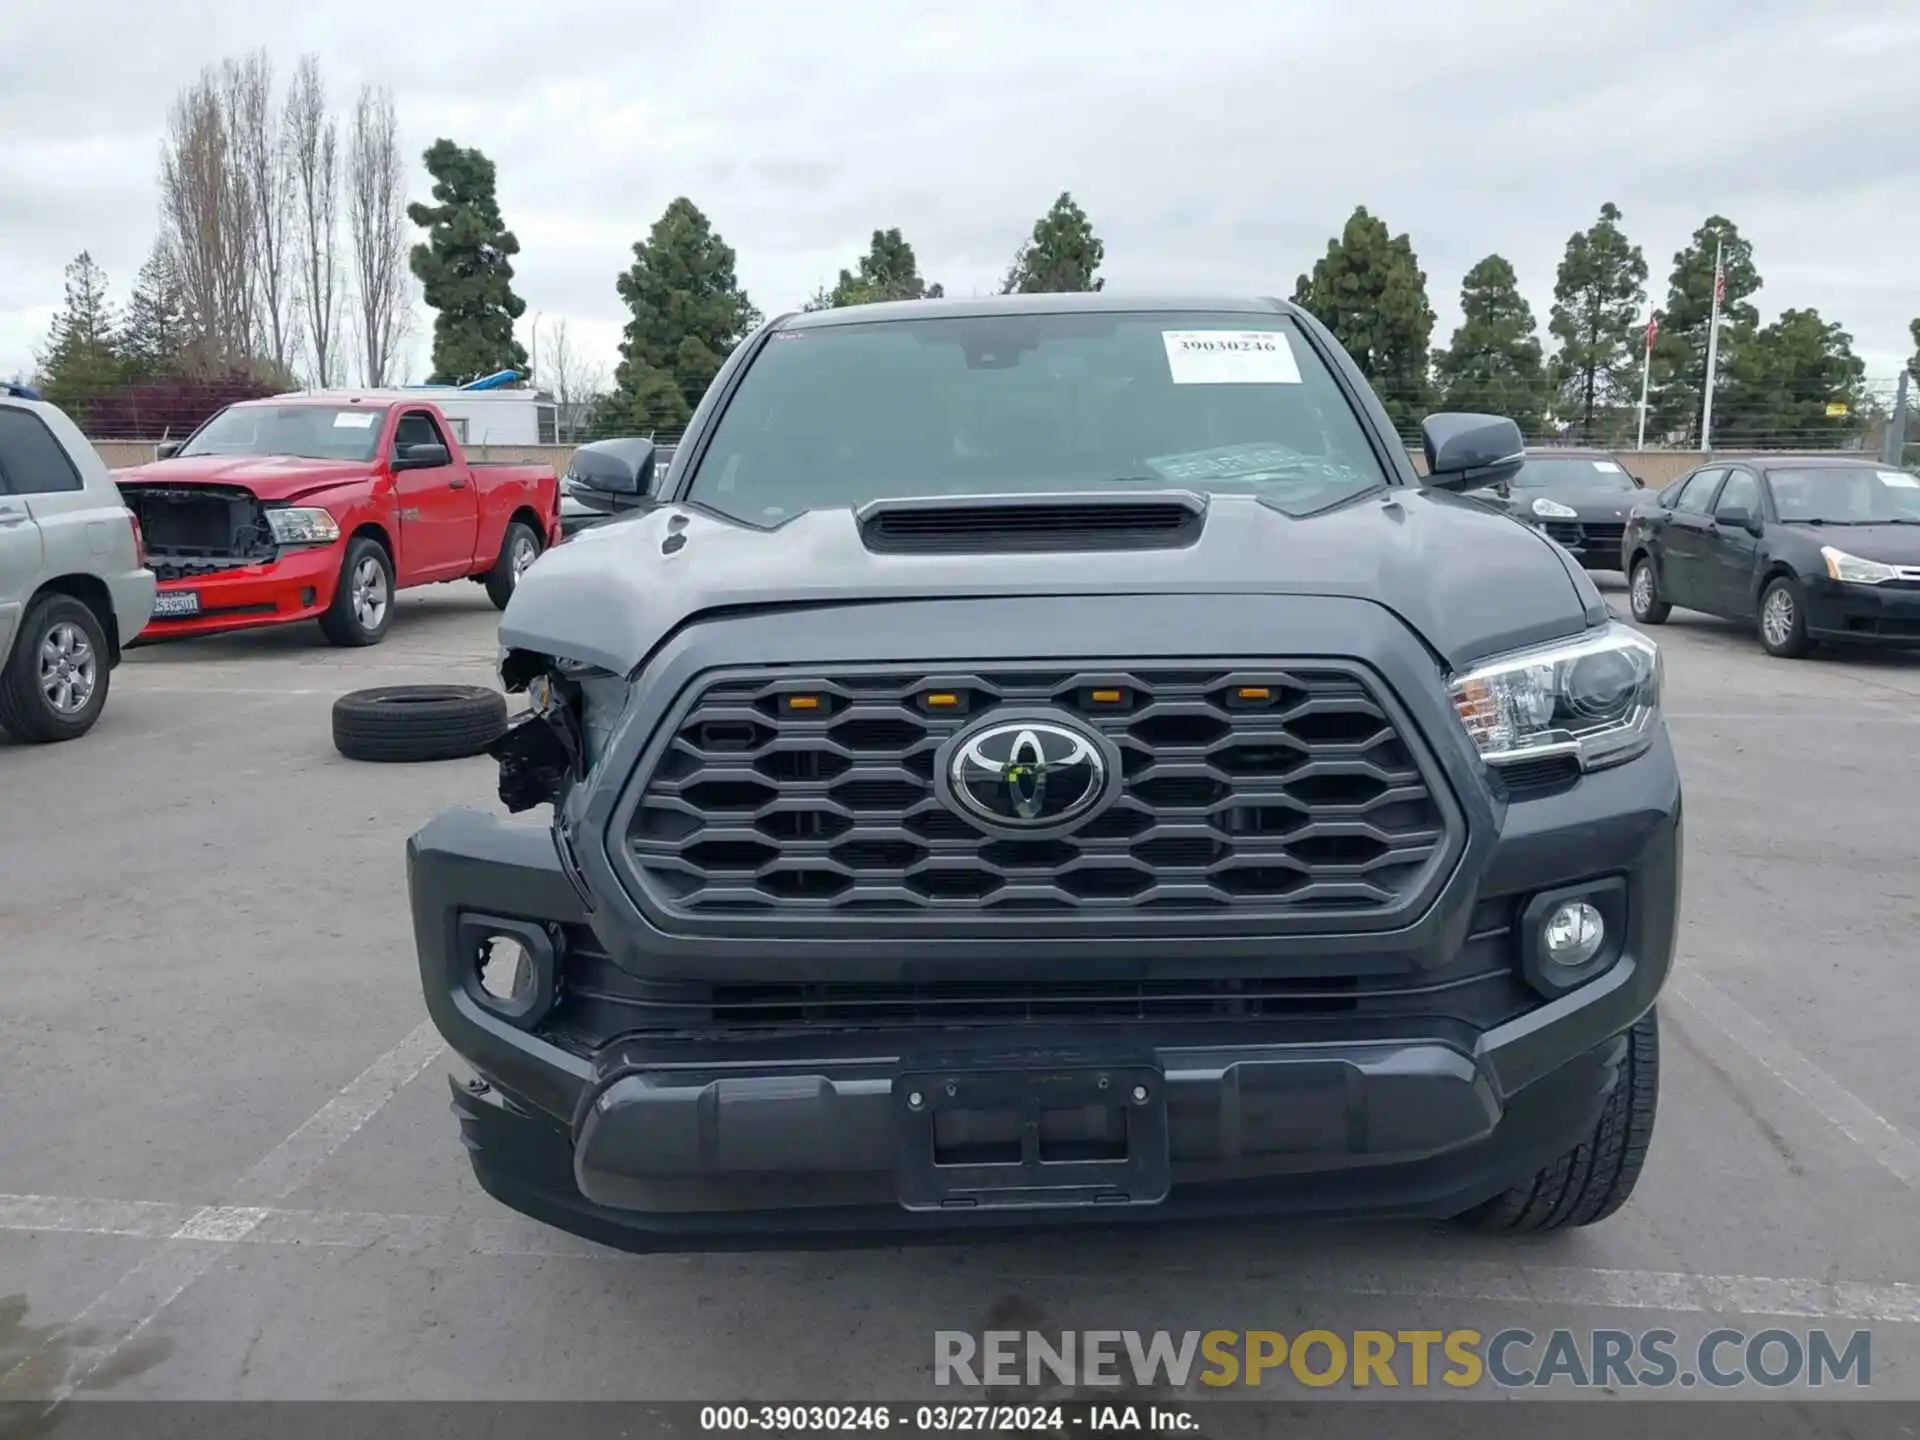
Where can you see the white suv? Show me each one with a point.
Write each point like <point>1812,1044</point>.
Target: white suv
<point>73,587</point>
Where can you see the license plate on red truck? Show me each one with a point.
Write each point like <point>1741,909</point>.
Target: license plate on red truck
<point>172,604</point>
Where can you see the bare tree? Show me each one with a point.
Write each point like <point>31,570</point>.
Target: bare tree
<point>377,223</point>
<point>259,154</point>
<point>313,158</point>
<point>205,218</point>
<point>573,378</point>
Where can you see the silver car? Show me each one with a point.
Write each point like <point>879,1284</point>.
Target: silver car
<point>73,588</point>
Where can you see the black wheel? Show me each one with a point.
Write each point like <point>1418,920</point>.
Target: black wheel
<point>54,685</point>
<point>418,722</point>
<point>518,550</point>
<point>1783,619</point>
<point>1593,1179</point>
<point>1643,594</point>
<point>362,607</point>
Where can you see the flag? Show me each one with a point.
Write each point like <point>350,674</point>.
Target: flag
<point>1653,328</point>
<point>1719,285</point>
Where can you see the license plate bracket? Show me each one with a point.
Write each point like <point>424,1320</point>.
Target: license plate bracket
<point>1071,1135</point>
<point>176,604</point>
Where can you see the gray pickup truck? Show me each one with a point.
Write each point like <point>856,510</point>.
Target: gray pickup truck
<point>1051,759</point>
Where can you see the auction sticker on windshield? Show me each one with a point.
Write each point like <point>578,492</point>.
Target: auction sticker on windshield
<point>1230,357</point>
<point>1899,479</point>
<point>353,420</point>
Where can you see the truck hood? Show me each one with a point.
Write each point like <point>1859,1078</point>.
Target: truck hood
<point>268,477</point>
<point>1471,581</point>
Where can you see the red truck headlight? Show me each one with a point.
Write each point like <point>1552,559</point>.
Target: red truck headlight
<point>303,525</point>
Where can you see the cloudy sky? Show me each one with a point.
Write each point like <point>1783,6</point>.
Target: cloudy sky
<point>1216,146</point>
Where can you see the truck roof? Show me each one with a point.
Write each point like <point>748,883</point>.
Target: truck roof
<point>1114,302</point>
<point>434,395</point>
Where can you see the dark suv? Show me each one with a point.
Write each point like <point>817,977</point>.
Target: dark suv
<point>1051,759</point>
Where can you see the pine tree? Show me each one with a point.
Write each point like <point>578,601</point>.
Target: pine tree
<point>888,271</point>
<point>1493,363</point>
<point>688,313</point>
<point>80,362</point>
<point>1680,348</point>
<point>156,334</point>
<point>1060,257</point>
<point>465,268</point>
<point>1795,382</point>
<point>1370,291</point>
<point>1598,297</point>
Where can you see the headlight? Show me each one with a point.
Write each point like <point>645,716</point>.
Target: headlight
<point>303,526</point>
<point>1597,697</point>
<point>1851,568</point>
<point>1553,510</point>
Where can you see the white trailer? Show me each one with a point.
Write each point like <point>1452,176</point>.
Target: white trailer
<point>482,417</point>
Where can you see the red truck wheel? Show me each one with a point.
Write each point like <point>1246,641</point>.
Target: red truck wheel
<point>518,550</point>
<point>362,607</point>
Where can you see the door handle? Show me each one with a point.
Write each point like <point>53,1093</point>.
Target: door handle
<point>11,518</point>
<point>456,483</point>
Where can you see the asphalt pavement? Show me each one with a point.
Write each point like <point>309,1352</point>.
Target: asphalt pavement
<point>228,1170</point>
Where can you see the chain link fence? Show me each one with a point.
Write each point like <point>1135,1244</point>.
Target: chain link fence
<point>126,422</point>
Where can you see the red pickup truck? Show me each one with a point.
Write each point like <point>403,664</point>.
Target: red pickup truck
<point>322,506</point>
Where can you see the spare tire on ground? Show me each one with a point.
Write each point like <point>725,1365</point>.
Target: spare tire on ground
<point>418,722</point>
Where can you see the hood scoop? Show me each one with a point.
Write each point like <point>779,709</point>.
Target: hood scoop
<point>1077,521</point>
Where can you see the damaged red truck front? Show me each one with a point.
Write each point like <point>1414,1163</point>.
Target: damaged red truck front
<point>323,506</point>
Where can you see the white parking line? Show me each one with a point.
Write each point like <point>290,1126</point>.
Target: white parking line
<point>138,1297</point>
<point>1839,1106</point>
<point>1879,1302</point>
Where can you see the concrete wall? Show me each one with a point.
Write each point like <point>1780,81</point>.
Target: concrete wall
<point>1654,468</point>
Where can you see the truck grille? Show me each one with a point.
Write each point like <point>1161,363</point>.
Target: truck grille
<point>1246,786</point>
<point>199,529</point>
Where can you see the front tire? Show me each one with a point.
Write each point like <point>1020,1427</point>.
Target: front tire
<point>1783,619</point>
<point>1643,594</point>
<point>54,685</point>
<point>518,550</point>
<point>362,607</point>
<point>1596,1177</point>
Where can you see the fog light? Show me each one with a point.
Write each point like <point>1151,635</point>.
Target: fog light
<point>506,970</point>
<point>1573,934</point>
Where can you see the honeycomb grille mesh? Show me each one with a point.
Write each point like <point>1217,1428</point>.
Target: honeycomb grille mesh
<point>1241,787</point>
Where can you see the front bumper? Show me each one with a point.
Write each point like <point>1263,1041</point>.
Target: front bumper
<point>691,1136</point>
<point>1886,614</point>
<point>298,585</point>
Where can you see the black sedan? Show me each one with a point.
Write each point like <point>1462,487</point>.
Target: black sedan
<point>1807,548</point>
<point>1580,498</point>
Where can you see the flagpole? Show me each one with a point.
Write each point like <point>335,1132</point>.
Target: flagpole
<point>1646,374</point>
<point>1713,349</point>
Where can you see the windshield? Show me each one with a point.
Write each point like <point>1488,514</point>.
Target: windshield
<point>1567,475</point>
<point>837,416</point>
<point>1846,495</point>
<point>311,432</point>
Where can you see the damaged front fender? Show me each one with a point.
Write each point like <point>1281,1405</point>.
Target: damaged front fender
<point>542,754</point>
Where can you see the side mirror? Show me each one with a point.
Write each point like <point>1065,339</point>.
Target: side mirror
<point>420,457</point>
<point>1739,517</point>
<point>623,468</point>
<point>1468,452</point>
<point>167,449</point>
